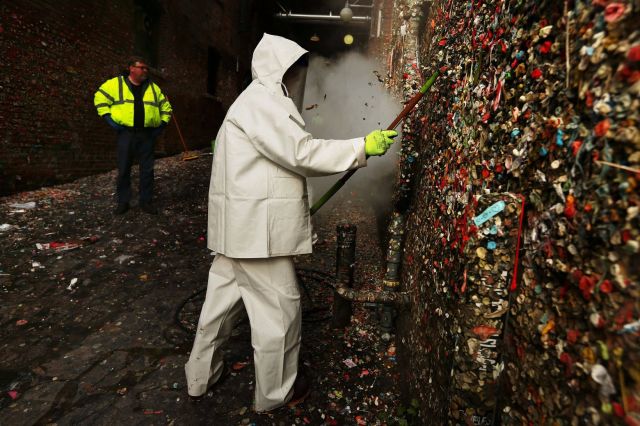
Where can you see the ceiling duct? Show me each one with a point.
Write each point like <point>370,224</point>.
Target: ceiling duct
<point>322,19</point>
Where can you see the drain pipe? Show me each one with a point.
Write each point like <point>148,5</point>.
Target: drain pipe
<point>391,281</point>
<point>345,267</point>
<point>396,298</point>
<point>344,293</point>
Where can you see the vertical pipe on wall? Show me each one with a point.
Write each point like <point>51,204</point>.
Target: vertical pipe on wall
<point>345,267</point>
<point>391,280</point>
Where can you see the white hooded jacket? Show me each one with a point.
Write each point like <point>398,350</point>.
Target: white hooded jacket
<point>258,203</point>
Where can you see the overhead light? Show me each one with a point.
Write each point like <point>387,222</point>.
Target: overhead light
<point>348,39</point>
<point>315,37</point>
<point>346,13</point>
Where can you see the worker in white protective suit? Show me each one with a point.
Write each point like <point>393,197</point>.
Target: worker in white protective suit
<point>259,218</point>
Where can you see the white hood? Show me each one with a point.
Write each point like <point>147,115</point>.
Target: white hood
<point>272,57</point>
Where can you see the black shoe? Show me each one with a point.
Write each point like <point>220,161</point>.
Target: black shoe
<point>121,209</point>
<point>148,208</point>
<point>301,389</point>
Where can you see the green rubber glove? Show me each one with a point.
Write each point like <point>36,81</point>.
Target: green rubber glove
<point>379,141</point>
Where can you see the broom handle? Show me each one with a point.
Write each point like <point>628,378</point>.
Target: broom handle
<point>179,132</point>
<point>175,120</point>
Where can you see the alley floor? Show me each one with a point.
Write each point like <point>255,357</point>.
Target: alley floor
<point>97,313</point>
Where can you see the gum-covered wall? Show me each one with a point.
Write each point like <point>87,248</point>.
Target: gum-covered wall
<point>523,160</point>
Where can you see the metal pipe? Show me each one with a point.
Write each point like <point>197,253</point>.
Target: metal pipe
<point>398,298</point>
<point>357,4</point>
<point>325,19</point>
<point>391,281</point>
<point>345,268</point>
<point>394,253</point>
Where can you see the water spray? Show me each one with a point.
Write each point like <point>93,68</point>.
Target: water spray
<point>407,109</point>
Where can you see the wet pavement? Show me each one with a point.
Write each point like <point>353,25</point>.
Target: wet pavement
<point>97,313</point>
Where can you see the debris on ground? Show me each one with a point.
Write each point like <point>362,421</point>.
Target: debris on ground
<point>99,313</point>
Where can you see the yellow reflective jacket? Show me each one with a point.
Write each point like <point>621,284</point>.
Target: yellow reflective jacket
<point>114,97</point>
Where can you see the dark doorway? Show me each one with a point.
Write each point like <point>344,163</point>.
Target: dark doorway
<point>213,63</point>
<point>146,16</point>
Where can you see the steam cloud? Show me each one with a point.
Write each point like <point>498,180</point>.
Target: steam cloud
<point>351,102</point>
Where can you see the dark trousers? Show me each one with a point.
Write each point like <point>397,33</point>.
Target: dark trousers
<point>135,143</point>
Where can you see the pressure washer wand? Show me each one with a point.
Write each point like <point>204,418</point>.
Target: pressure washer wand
<point>407,109</point>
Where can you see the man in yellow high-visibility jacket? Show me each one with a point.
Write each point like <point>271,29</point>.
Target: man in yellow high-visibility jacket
<point>137,109</point>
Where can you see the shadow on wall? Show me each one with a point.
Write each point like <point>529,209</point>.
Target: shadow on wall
<point>344,99</point>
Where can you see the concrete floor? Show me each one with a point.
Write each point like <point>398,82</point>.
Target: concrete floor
<point>99,334</point>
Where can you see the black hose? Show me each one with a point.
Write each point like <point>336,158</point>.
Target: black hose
<point>308,275</point>
<point>305,277</point>
<point>176,315</point>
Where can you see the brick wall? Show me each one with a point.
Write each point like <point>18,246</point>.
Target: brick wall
<point>54,55</point>
<point>379,47</point>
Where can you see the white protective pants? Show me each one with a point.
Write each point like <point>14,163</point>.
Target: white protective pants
<point>269,290</point>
